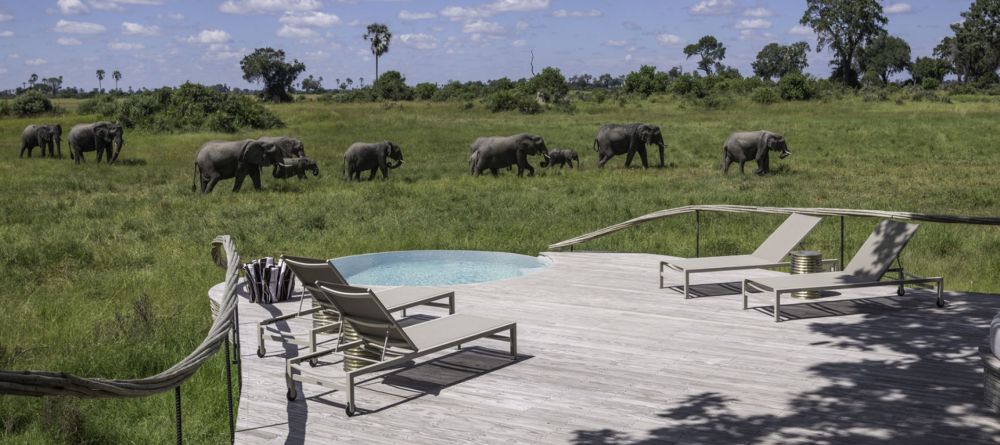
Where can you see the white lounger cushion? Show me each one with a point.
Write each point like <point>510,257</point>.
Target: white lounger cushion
<point>720,262</point>
<point>406,296</point>
<point>448,329</point>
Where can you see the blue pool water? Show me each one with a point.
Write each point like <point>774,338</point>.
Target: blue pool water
<point>435,267</point>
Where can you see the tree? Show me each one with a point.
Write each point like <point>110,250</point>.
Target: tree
<point>974,50</point>
<point>117,75</point>
<point>776,60</point>
<point>53,83</point>
<point>392,86</point>
<point>929,68</point>
<point>379,36</point>
<point>711,51</point>
<point>646,81</point>
<point>311,85</point>
<point>100,77</point>
<point>425,90</point>
<point>846,26</point>
<point>268,65</point>
<point>33,79</point>
<point>885,55</point>
<point>549,85</point>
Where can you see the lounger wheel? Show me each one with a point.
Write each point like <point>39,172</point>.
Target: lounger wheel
<point>940,303</point>
<point>314,362</point>
<point>900,291</point>
<point>260,351</point>
<point>351,410</point>
<point>290,395</point>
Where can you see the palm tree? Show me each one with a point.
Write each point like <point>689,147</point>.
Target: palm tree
<point>33,79</point>
<point>117,75</point>
<point>100,77</point>
<point>379,36</point>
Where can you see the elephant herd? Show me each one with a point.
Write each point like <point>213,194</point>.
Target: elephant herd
<point>219,160</point>
<point>102,137</point>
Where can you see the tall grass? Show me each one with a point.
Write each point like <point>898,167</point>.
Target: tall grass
<point>105,269</point>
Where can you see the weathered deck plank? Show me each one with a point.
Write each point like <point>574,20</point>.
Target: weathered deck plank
<point>608,357</point>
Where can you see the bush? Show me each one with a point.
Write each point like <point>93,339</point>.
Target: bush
<point>765,95</point>
<point>549,85</point>
<point>796,86</point>
<point>425,91</point>
<point>30,103</point>
<point>392,86</point>
<point>930,83</point>
<point>4,107</point>
<point>511,101</point>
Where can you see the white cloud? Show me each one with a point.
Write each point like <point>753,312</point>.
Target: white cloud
<point>463,13</point>
<point>522,25</point>
<point>517,5</point>
<point>125,46</point>
<point>898,8</point>
<point>562,13</point>
<point>68,41</point>
<point>617,43</point>
<point>483,27</point>
<point>800,30</point>
<point>758,12</point>
<point>71,27</point>
<point>713,7</point>
<point>13,56</point>
<point>669,40</point>
<point>35,62</point>
<point>5,17</point>
<point>209,36</point>
<point>116,5</point>
<point>419,41</point>
<point>293,32</point>
<point>72,7</point>
<point>220,51</point>
<point>129,28</point>
<point>519,43</point>
<point>265,6</point>
<point>407,15</point>
<point>753,24</point>
<point>313,18</point>
<point>458,13</point>
<point>7,33</point>
<point>171,16</point>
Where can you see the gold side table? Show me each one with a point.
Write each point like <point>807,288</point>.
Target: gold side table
<point>806,261</point>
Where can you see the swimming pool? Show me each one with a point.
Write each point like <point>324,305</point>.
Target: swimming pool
<point>435,267</point>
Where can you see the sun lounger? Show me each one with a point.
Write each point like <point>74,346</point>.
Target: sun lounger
<point>395,345</point>
<point>867,268</point>
<point>309,271</point>
<point>770,254</point>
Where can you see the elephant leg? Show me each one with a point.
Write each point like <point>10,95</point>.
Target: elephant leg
<point>208,184</point>
<point>628,159</point>
<point>255,177</point>
<point>23,149</point>
<point>726,161</point>
<point>371,174</point>
<point>742,162</point>
<point>100,153</point>
<point>238,183</point>
<point>603,160</point>
<point>494,172</point>
<point>642,157</point>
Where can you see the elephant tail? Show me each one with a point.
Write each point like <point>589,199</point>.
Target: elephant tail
<point>194,181</point>
<point>595,144</point>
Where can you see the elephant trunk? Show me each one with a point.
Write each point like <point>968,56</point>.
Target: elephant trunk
<point>315,170</point>
<point>118,148</point>
<point>784,153</point>
<point>398,164</point>
<point>661,146</point>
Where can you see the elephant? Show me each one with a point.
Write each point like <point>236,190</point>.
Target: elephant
<point>746,145</point>
<point>97,136</point>
<point>290,147</point>
<point>217,160</point>
<point>614,139</point>
<point>361,156</point>
<point>42,136</point>
<point>561,157</point>
<point>496,152</point>
<point>289,167</point>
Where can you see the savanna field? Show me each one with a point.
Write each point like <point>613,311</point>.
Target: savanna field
<point>106,269</point>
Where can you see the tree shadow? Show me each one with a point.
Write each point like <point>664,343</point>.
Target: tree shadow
<point>920,382</point>
<point>710,289</point>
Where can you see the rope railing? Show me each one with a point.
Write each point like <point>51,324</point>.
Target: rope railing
<point>816,211</point>
<point>49,383</point>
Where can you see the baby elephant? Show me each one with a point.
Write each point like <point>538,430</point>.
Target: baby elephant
<point>362,156</point>
<point>561,157</point>
<point>744,146</point>
<point>289,167</point>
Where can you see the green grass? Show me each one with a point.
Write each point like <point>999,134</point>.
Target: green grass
<point>82,246</point>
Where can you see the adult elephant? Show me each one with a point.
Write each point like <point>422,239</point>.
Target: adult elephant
<point>367,156</point>
<point>218,160</point>
<point>290,147</point>
<point>44,137</point>
<point>614,139</point>
<point>746,145</point>
<point>99,137</point>
<point>495,152</point>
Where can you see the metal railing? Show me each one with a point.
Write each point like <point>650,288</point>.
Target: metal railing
<point>224,330</point>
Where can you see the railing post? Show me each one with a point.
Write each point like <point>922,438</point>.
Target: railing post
<point>229,396</point>
<point>841,242</point>
<point>697,233</point>
<point>177,414</point>
<point>237,357</point>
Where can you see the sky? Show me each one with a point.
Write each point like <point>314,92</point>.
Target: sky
<point>167,42</point>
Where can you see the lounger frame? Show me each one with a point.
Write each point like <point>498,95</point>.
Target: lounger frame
<point>390,355</point>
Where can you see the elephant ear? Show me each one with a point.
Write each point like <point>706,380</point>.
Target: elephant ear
<point>253,153</point>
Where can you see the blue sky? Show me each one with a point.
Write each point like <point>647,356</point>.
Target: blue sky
<point>167,42</point>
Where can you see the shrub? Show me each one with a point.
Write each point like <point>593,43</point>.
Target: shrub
<point>425,90</point>
<point>796,86</point>
<point>765,95</point>
<point>549,85</point>
<point>510,101</point>
<point>4,107</point>
<point>30,103</point>
<point>392,86</point>
<point>930,83</point>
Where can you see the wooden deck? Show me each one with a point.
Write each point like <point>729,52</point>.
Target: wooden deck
<point>609,358</point>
